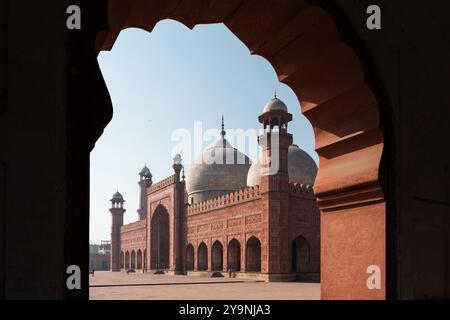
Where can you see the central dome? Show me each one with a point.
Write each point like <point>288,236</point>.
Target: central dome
<point>219,170</point>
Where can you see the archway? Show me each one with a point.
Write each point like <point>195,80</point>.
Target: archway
<point>300,255</point>
<point>253,255</point>
<point>127,260</point>
<point>303,45</point>
<point>234,255</point>
<point>202,258</point>
<point>122,265</point>
<point>159,234</point>
<point>139,259</point>
<point>133,259</point>
<point>189,257</point>
<point>217,256</point>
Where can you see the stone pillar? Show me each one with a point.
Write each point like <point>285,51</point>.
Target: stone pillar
<point>209,269</point>
<point>225,256</point>
<point>243,255</point>
<point>196,256</point>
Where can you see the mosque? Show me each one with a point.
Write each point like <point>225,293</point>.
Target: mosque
<point>259,222</point>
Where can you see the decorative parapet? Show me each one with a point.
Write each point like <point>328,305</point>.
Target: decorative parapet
<point>244,195</point>
<point>134,226</point>
<point>302,190</point>
<point>161,184</point>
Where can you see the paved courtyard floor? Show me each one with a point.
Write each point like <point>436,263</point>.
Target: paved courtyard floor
<point>105,285</point>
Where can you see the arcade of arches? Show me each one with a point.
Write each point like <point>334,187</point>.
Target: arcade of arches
<point>300,257</point>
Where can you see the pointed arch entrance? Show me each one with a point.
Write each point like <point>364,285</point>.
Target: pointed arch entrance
<point>217,256</point>
<point>234,255</point>
<point>300,255</point>
<point>202,258</point>
<point>127,260</point>
<point>253,255</point>
<point>159,234</point>
<point>139,259</point>
<point>190,257</point>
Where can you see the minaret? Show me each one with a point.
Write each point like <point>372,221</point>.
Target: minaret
<point>275,143</point>
<point>178,201</point>
<point>117,210</point>
<point>144,182</point>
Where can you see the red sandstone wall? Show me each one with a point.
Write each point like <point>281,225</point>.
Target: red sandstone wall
<point>304,220</point>
<point>355,239</point>
<point>133,236</point>
<point>239,219</point>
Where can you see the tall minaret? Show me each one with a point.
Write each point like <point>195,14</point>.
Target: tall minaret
<point>144,182</point>
<point>275,143</point>
<point>117,210</point>
<point>178,213</point>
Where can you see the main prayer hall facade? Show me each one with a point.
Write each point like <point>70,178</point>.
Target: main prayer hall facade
<point>259,222</point>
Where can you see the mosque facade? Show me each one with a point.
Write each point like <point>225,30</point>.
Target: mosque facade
<point>259,219</point>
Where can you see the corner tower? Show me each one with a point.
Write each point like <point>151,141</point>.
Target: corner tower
<point>275,142</point>
<point>117,210</point>
<point>144,182</point>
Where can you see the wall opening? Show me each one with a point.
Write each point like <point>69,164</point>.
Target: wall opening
<point>160,239</point>
<point>253,255</point>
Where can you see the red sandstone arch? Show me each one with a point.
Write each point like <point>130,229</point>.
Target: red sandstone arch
<point>122,262</point>
<point>190,257</point>
<point>159,235</point>
<point>127,260</point>
<point>139,259</point>
<point>217,256</point>
<point>303,45</point>
<point>202,257</point>
<point>133,259</point>
<point>300,255</point>
<point>253,255</point>
<point>234,255</point>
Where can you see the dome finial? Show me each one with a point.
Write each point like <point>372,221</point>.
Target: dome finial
<point>223,133</point>
<point>275,95</point>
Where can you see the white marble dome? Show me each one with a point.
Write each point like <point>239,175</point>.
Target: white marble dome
<point>275,104</point>
<point>301,168</point>
<point>219,170</point>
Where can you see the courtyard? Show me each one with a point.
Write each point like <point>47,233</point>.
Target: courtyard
<point>105,285</point>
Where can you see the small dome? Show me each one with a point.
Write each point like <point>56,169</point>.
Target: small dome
<point>219,170</point>
<point>145,172</point>
<point>301,168</point>
<point>275,104</point>
<point>117,196</point>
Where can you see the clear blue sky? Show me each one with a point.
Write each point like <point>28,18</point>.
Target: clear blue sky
<point>165,80</point>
